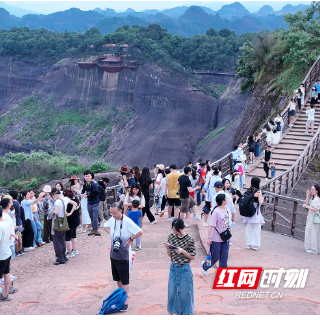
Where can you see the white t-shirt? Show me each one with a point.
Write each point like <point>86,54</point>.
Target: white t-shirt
<point>129,228</point>
<point>59,204</point>
<point>7,218</point>
<point>5,251</point>
<point>194,181</point>
<point>129,199</point>
<point>292,106</point>
<point>310,114</point>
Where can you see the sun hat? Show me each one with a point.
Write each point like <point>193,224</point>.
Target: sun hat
<point>277,119</point>
<point>73,178</point>
<point>47,188</point>
<point>124,169</point>
<point>160,166</point>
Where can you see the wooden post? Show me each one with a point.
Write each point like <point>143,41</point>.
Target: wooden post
<point>275,203</point>
<point>293,218</point>
<point>230,162</point>
<point>114,192</point>
<point>287,183</point>
<point>280,181</point>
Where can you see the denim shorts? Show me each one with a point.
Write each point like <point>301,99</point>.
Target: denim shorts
<point>180,290</point>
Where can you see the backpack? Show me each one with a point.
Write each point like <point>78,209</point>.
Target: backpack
<point>114,302</point>
<point>246,206</point>
<point>278,127</point>
<point>102,193</point>
<point>131,182</point>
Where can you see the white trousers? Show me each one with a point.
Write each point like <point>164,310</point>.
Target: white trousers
<point>253,234</point>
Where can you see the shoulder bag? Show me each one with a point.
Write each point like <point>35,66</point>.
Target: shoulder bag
<point>224,235</point>
<point>316,218</point>
<point>61,224</point>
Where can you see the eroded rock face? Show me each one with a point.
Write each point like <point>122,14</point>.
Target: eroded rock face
<point>168,120</point>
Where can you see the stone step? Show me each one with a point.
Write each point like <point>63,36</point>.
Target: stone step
<point>278,167</point>
<point>300,142</point>
<point>293,137</point>
<point>291,146</point>
<point>284,153</point>
<point>281,161</point>
<point>261,174</point>
<point>289,157</point>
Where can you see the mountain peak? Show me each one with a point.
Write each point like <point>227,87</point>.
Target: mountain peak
<point>235,9</point>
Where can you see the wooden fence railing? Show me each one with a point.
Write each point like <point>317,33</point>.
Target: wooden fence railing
<point>284,215</point>
<point>226,162</point>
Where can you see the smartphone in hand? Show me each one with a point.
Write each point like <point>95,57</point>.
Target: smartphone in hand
<point>172,248</point>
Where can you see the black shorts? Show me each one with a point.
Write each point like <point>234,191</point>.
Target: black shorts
<point>251,150</point>
<point>120,271</point>
<point>174,201</point>
<point>71,234</point>
<point>5,266</point>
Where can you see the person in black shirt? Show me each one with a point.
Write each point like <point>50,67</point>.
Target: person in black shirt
<point>266,157</point>
<point>145,184</point>
<point>187,202</point>
<point>16,205</point>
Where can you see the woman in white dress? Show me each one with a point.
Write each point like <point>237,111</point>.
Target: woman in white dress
<point>86,221</point>
<point>267,131</point>
<point>273,127</point>
<point>254,223</point>
<point>277,135</point>
<point>312,231</point>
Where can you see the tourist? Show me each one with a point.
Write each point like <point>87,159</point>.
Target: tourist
<point>202,174</point>
<point>59,186</point>
<point>123,231</point>
<point>310,121</point>
<point>218,249</point>
<point>292,112</point>
<point>209,191</point>
<point>317,86</point>
<point>281,124</point>
<point>303,93</point>
<point>135,215</point>
<point>173,190</point>
<point>134,194</point>
<point>237,153</point>
<point>257,139</point>
<point>194,178</point>
<point>146,184</point>
<point>190,164</point>
<point>37,221</point>
<point>91,192</point>
<point>26,203</point>
<point>181,249</point>
<point>103,208</point>
<point>75,186</point>
<point>219,185</point>
<point>273,169</point>
<point>208,171</point>
<point>251,144</point>
<point>159,190</point>
<point>6,204</point>
<point>314,96</point>
<point>298,97</point>
<point>165,194</point>
<point>73,222</point>
<point>17,209</point>
<point>127,176</point>
<point>266,157</point>
<point>240,169</point>
<point>48,207</point>
<point>267,131</point>
<point>273,128</point>
<point>59,237</point>
<point>5,256</point>
<point>254,223</point>
<point>235,179</point>
<point>312,230</point>
<point>187,202</point>
<point>136,173</point>
<point>277,129</point>
<point>85,217</point>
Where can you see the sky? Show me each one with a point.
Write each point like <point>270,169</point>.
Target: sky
<point>46,7</point>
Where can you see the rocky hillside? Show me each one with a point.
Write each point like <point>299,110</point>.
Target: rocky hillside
<point>137,116</point>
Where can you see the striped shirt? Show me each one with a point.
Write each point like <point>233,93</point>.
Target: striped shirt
<point>186,243</point>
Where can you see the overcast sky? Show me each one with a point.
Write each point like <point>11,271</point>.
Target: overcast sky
<point>46,7</point>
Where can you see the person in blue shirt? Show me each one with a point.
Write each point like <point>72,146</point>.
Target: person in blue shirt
<point>136,216</point>
<point>317,85</point>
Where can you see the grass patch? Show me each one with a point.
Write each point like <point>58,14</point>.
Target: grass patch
<point>213,134</point>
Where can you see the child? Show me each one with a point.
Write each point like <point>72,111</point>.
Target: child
<point>310,120</point>
<point>136,216</point>
<point>272,169</point>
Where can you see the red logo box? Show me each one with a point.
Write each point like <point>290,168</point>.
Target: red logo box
<point>237,278</point>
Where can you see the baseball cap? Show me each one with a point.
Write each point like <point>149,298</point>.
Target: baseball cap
<point>218,184</point>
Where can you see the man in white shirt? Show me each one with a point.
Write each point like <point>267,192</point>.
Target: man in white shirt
<point>310,121</point>
<point>123,231</point>
<point>5,255</point>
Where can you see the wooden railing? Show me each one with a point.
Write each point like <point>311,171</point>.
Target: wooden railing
<point>284,215</point>
<point>290,179</point>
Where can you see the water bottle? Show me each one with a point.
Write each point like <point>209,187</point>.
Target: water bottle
<point>208,260</point>
<point>233,224</point>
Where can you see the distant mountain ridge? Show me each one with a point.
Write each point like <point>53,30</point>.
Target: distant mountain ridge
<point>185,21</point>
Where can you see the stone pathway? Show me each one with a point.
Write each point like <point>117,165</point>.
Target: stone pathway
<point>80,286</point>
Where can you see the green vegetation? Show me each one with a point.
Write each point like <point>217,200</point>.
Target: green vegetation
<point>40,123</point>
<point>289,52</point>
<point>213,50</point>
<point>213,134</point>
<point>26,171</point>
<point>220,89</point>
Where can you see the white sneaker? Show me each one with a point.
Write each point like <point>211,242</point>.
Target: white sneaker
<point>204,272</point>
<point>13,277</point>
<point>195,217</point>
<point>70,255</point>
<point>186,225</point>
<point>205,225</point>
<point>75,252</point>
<point>154,222</point>
<point>28,249</point>
<point>267,179</point>
<point>309,251</point>
<point>169,219</point>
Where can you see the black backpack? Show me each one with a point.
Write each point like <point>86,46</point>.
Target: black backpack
<point>102,193</point>
<point>246,206</point>
<point>278,127</point>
